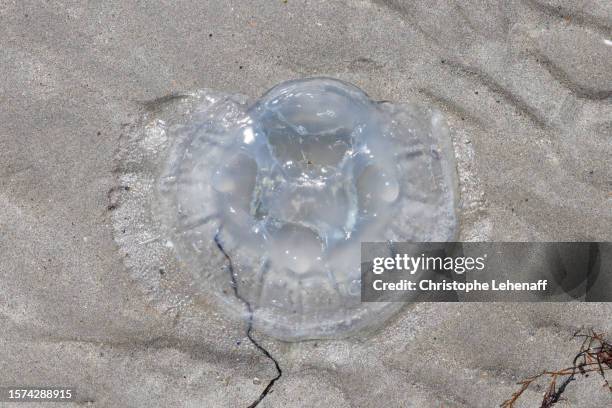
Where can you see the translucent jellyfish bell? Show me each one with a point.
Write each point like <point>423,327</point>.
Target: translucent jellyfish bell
<point>267,203</point>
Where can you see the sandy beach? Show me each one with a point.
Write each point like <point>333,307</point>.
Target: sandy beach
<point>526,88</point>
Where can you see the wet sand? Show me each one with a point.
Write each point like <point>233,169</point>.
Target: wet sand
<point>526,88</point>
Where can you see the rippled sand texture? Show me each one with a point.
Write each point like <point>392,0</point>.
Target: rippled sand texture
<point>525,86</point>
<point>532,82</point>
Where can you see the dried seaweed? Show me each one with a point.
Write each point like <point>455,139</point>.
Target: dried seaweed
<point>595,356</point>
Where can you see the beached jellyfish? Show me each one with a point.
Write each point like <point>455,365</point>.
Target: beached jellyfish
<point>267,203</point>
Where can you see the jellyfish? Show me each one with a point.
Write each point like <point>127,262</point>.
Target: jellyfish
<point>265,203</point>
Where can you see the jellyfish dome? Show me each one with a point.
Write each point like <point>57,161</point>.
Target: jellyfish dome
<point>266,204</point>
